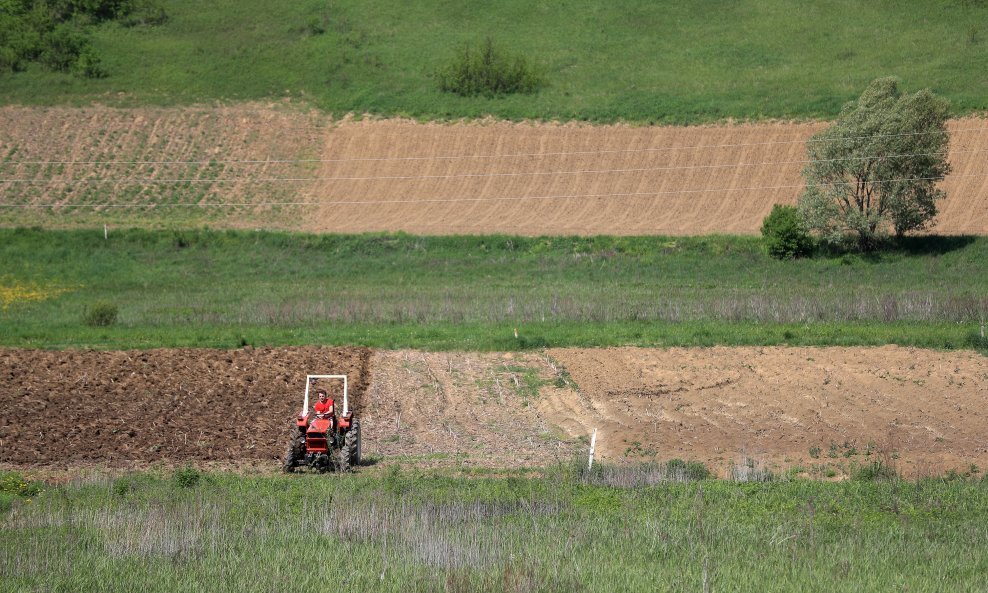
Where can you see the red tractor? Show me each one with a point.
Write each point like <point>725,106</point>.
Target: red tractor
<point>324,439</point>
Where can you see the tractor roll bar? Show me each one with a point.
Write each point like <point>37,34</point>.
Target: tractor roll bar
<point>308,384</point>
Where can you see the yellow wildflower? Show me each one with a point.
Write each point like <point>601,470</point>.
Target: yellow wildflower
<point>15,291</point>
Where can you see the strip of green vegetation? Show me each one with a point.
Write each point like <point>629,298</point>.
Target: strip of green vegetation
<point>428,531</point>
<point>499,337</point>
<point>231,288</point>
<point>634,60</point>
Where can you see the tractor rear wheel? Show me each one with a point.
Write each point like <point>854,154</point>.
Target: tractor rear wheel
<point>295,450</point>
<point>351,442</point>
<point>350,451</point>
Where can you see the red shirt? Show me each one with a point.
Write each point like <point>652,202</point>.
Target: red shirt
<point>323,407</point>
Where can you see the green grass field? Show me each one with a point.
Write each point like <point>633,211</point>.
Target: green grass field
<point>634,60</point>
<point>229,288</point>
<point>406,530</point>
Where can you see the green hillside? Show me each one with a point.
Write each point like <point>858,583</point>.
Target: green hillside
<point>637,60</point>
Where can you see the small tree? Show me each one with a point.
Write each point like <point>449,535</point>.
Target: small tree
<point>785,233</point>
<point>876,168</point>
<point>489,71</point>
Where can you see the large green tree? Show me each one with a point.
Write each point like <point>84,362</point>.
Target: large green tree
<point>875,170</point>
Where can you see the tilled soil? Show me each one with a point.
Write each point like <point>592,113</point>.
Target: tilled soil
<point>66,408</point>
<point>921,410</point>
<point>257,165</point>
<point>820,409</point>
<point>464,409</point>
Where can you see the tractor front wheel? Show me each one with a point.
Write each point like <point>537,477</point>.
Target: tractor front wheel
<point>295,450</point>
<point>343,462</point>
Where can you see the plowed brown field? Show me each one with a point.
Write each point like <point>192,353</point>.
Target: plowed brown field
<point>922,410</point>
<point>481,177</point>
<point>142,407</point>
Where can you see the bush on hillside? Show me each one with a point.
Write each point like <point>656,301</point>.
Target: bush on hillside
<point>489,71</point>
<point>101,314</point>
<point>54,33</point>
<point>60,48</point>
<point>785,233</point>
<point>89,64</point>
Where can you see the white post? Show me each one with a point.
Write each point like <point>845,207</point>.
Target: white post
<point>305,403</point>
<point>105,233</point>
<point>593,445</point>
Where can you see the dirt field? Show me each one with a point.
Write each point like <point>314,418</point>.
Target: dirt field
<point>234,408</point>
<point>922,410</point>
<point>455,408</point>
<point>173,158</point>
<point>926,411</point>
<point>646,180</point>
<point>388,175</point>
<point>140,407</point>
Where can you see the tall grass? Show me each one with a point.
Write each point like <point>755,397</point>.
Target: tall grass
<point>635,60</point>
<point>222,287</point>
<point>405,531</point>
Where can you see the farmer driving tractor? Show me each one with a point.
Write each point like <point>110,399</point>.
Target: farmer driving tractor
<point>321,439</point>
<point>324,407</point>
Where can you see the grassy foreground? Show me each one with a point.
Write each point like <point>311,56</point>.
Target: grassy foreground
<point>634,60</point>
<point>232,288</point>
<point>408,531</point>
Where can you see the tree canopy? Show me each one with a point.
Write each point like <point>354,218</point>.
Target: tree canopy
<point>875,170</point>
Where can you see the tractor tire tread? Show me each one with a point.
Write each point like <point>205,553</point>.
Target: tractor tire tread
<point>294,451</point>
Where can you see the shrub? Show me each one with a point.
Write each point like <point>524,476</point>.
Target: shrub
<point>10,61</point>
<point>89,64</point>
<point>60,49</point>
<point>687,470</point>
<point>489,71</point>
<point>55,32</point>
<point>978,340</point>
<point>186,477</point>
<point>785,233</point>
<point>121,486</point>
<point>101,314</point>
<point>876,471</point>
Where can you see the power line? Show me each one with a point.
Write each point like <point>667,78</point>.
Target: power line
<point>472,199</point>
<point>469,156</point>
<point>150,180</point>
